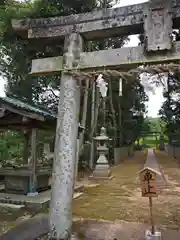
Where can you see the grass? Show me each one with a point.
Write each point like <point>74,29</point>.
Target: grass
<point>111,200</point>
<point>120,198</point>
<point>151,141</point>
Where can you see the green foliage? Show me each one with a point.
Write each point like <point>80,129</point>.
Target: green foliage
<point>170,111</point>
<point>16,55</point>
<point>11,146</point>
<point>133,105</point>
<point>155,124</point>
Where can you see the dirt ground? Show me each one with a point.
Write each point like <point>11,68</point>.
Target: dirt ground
<point>120,198</point>
<point>105,230</point>
<point>116,207</point>
<point>9,217</point>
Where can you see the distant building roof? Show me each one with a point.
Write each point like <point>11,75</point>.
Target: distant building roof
<point>20,105</point>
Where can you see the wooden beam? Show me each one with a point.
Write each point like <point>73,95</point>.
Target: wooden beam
<point>93,25</point>
<point>126,58</point>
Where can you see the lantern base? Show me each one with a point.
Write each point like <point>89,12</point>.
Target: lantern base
<point>102,171</point>
<point>150,236</point>
<point>32,194</point>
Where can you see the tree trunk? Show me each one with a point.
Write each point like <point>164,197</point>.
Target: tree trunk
<point>169,115</point>
<point>98,104</point>
<point>113,113</point>
<point>84,116</point>
<point>78,99</point>
<point>85,106</point>
<point>92,124</point>
<point>120,123</point>
<point>65,146</point>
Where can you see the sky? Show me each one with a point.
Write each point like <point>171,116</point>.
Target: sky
<point>155,100</point>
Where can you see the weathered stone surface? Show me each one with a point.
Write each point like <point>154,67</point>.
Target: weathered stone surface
<point>158,25</point>
<point>96,24</point>
<point>125,57</point>
<point>65,144</point>
<point>112,58</point>
<point>46,65</point>
<point>97,15</point>
<point>17,180</point>
<point>93,29</point>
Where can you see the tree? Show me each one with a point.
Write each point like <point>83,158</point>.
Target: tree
<point>169,112</point>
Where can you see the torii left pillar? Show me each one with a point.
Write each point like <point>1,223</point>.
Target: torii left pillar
<point>65,145</point>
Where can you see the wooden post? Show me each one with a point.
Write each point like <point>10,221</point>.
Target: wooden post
<point>33,178</point>
<point>26,147</point>
<point>151,216</point>
<point>149,189</point>
<point>65,145</point>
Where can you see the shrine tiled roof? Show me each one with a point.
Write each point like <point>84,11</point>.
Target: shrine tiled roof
<point>22,106</point>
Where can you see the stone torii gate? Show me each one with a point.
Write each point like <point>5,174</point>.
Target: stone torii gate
<point>156,19</point>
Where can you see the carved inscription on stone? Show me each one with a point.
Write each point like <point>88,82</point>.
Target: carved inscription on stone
<point>158,26</point>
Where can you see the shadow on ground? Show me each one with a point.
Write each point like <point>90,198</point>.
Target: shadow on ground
<point>37,229</point>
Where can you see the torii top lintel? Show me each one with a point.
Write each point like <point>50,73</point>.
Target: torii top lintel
<point>155,19</point>
<point>93,25</point>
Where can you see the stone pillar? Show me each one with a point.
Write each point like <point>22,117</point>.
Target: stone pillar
<point>65,145</point>
<point>33,177</point>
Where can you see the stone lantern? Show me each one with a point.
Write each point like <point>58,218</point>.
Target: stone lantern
<point>102,170</point>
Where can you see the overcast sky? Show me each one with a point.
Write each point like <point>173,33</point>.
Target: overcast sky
<point>155,100</point>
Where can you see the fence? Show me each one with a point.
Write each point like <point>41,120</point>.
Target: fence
<point>173,150</point>
<point>122,153</point>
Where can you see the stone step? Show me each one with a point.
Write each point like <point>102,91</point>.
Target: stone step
<point>40,201</point>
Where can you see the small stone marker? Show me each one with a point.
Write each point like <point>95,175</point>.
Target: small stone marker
<point>148,181</point>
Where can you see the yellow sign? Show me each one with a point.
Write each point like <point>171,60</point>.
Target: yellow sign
<point>148,182</point>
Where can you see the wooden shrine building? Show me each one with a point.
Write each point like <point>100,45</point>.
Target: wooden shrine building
<point>19,116</point>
